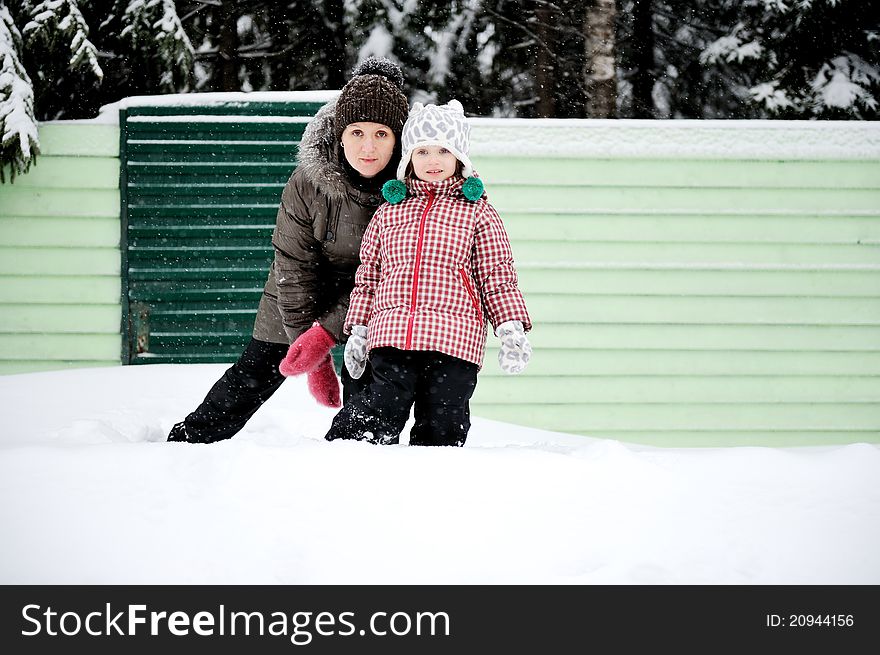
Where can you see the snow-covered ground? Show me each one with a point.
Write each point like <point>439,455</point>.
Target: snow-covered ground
<point>91,493</point>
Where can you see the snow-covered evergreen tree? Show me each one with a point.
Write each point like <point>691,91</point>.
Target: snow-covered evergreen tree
<point>58,53</point>
<point>803,58</point>
<point>154,26</point>
<point>264,45</point>
<point>398,30</point>
<point>65,58</point>
<point>462,63</point>
<point>660,74</point>
<point>19,142</point>
<point>59,24</point>
<point>498,57</point>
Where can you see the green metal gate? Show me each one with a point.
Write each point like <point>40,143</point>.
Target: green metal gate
<point>200,187</point>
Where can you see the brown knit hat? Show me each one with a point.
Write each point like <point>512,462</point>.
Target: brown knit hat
<point>373,95</point>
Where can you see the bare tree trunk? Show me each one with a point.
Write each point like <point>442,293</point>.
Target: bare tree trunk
<point>227,48</point>
<point>600,73</point>
<point>643,45</point>
<point>544,68</point>
<point>337,76</point>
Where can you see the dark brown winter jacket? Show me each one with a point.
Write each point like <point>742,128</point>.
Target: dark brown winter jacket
<point>321,220</point>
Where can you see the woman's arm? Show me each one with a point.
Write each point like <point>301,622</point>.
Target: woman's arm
<point>297,257</point>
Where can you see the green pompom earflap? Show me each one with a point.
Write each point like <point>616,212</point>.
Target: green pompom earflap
<point>472,189</point>
<point>394,191</point>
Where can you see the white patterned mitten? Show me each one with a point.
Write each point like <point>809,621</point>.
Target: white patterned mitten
<point>355,356</point>
<point>515,348</point>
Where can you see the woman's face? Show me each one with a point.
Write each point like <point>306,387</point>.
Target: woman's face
<point>368,147</point>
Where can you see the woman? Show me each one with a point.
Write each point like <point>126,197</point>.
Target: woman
<point>348,151</point>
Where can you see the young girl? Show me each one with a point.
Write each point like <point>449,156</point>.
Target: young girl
<point>435,265</point>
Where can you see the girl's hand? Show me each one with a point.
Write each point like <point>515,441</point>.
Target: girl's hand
<point>355,356</point>
<point>515,347</point>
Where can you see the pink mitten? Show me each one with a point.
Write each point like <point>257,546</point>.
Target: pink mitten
<point>308,352</point>
<point>324,385</point>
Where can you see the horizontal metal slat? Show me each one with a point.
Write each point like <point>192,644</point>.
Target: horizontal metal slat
<point>201,269</point>
<point>197,251</point>
<point>207,240</point>
<point>142,172</point>
<point>205,214</point>
<point>245,107</point>
<point>197,182</point>
<point>237,324</point>
<point>796,228</point>
<point>254,204</point>
<point>244,271</point>
<point>697,256</point>
<point>171,293</point>
<point>221,356</point>
<point>184,193</point>
<point>707,310</point>
<point>567,333</point>
<point>637,282</point>
<point>586,417</point>
<point>199,151</point>
<point>215,233</point>
<point>227,352</point>
<point>681,172</point>
<point>227,130</point>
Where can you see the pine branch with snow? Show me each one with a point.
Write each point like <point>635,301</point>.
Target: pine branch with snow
<point>154,25</point>
<point>793,72</point>
<point>736,46</point>
<point>19,141</point>
<point>845,82</point>
<point>54,19</point>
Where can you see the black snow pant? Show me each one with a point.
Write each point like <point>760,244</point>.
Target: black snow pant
<point>437,386</point>
<point>243,389</point>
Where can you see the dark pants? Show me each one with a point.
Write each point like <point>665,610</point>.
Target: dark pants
<point>243,389</point>
<point>437,386</point>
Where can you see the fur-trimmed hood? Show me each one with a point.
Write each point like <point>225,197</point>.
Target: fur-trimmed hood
<point>319,154</point>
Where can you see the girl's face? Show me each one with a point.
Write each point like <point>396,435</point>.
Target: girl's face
<point>433,163</point>
<point>368,147</point>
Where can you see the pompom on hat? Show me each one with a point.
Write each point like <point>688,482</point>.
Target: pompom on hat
<point>437,125</point>
<point>373,95</point>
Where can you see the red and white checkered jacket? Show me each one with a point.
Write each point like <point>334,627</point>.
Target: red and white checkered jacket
<point>433,269</point>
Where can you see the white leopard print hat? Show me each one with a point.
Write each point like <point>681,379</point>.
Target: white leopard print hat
<point>437,125</point>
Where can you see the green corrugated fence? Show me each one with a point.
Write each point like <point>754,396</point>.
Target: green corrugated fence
<point>200,189</point>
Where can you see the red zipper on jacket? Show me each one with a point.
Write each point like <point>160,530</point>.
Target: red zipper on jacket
<point>416,269</point>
